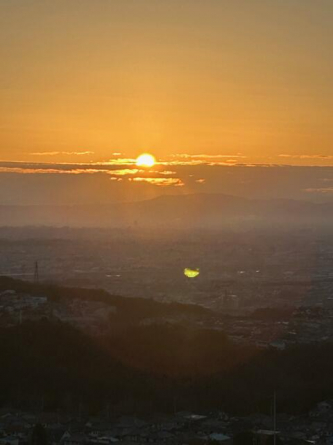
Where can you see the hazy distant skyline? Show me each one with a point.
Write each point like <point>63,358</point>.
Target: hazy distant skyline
<point>71,184</point>
<point>83,79</point>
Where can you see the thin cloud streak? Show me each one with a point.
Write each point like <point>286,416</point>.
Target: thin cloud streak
<point>124,172</point>
<point>163,172</point>
<point>205,156</point>
<point>320,156</point>
<point>43,171</point>
<point>115,175</point>
<point>322,190</point>
<point>160,181</point>
<point>114,178</point>
<point>59,153</point>
<point>125,162</point>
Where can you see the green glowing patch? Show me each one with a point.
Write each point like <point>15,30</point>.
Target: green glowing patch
<point>191,273</point>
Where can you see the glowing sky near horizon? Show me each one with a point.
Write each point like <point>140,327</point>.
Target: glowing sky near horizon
<point>249,79</point>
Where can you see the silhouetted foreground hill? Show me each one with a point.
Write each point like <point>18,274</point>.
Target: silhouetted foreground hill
<point>129,310</point>
<point>159,367</point>
<point>50,365</point>
<point>184,211</point>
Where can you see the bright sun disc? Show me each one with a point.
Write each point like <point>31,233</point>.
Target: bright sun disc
<point>145,160</point>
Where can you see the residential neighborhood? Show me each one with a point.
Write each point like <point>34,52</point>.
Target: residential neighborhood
<point>315,427</point>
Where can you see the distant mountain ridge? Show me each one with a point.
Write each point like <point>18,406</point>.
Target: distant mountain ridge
<point>193,210</point>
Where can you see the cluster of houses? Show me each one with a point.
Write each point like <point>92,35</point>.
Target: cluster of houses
<point>314,428</point>
<point>304,325</point>
<point>16,307</point>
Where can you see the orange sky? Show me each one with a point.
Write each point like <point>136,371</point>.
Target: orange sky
<point>83,79</point>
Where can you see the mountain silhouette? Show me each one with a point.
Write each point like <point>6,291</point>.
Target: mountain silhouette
<point>193,210</point>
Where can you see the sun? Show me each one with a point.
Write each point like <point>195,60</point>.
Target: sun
<point>145,160</point>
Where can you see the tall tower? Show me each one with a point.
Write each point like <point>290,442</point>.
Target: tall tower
<point>36,273</point>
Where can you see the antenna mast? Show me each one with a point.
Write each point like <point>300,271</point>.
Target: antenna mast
<point>36,273</point>
<point>274,414</point>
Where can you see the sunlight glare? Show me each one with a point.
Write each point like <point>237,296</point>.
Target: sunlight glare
<point>145,160</point>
